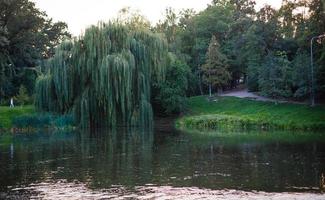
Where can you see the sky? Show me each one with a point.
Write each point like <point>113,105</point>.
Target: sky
<point>79,14</point>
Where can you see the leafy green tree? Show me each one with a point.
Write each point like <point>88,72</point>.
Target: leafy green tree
<point>275,77</point>
<point>215,70</point>
<point>301,75</point>
<point>253,52</point>
<point>316,24</point>
<point>179,30</point>
<point>27,36</point>
<point>172,92</point>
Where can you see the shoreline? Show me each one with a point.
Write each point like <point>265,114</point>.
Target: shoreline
<point>63,189</point>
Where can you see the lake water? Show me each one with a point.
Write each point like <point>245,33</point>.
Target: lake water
<point>133,163</point>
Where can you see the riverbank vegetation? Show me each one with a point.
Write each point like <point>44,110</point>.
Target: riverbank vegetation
<point>7,114</point>
<point>236,113</point>
<point>237,137</point>
<point>40,121</point>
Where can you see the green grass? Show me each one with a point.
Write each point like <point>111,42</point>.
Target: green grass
<point>232,112</point>
<point>8,114</point>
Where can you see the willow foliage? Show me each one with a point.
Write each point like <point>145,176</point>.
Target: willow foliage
<point>104,78</point>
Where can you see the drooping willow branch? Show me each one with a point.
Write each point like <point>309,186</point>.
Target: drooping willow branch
<point>104,77</point>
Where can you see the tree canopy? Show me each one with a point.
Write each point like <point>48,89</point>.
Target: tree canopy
<point>27,36</point>
<point>252,39</point>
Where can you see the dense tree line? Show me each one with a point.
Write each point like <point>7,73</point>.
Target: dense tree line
<point>267,49</point>
<point>27,36</point>
<point>227,44</point>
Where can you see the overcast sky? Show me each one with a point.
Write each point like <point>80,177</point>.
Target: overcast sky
<point>79,14</point>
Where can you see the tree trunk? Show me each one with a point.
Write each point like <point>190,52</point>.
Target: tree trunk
<point>210,90</point>
<point>200,84</point>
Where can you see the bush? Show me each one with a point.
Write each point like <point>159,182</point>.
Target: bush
<point>45,120</point>
<point>172,92</point>
<point>208,122</point>
<point>64,121</point>
<point>33,121</point>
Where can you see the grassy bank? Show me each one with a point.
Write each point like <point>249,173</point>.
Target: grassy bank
<point>233,113</point>
<point>8,114</point>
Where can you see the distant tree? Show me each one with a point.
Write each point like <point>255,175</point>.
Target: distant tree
<point>133,18</point>
<point>22,97</point>
<point>253,53</point>
<point>316,24</point>
<point>215,70</point>
<point>169,26</point>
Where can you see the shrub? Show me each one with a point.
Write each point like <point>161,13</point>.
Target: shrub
<point>216,121</point>
<point>44,120</point>
<point>32,121</point>
<point>64,121</point>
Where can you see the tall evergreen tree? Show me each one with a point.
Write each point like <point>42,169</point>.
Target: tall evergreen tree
<point>215,70</point>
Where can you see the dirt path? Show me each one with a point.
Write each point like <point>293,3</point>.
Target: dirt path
<point>243,93</point>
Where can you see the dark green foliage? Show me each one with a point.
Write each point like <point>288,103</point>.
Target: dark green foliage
<point>104,78</point>
<point>301,75</point>
<point>253,52</point>
<point>32,121</point>
<point>275,78</point>
<point>63,121</point>
<point>247,37</point>
<point>43,120</point>
<point>27,36</point>
<point>172,92</point>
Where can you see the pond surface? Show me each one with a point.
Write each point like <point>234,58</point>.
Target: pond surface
<point>132,164</point>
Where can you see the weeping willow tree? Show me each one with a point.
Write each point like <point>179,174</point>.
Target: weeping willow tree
<point>104,77</point>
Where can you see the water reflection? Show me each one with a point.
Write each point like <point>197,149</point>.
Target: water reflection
<point>103,159</point>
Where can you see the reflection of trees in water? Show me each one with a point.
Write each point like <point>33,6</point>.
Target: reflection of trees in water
<point>102,158</point>
<point>219,163</point>
<point>117,157</point>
